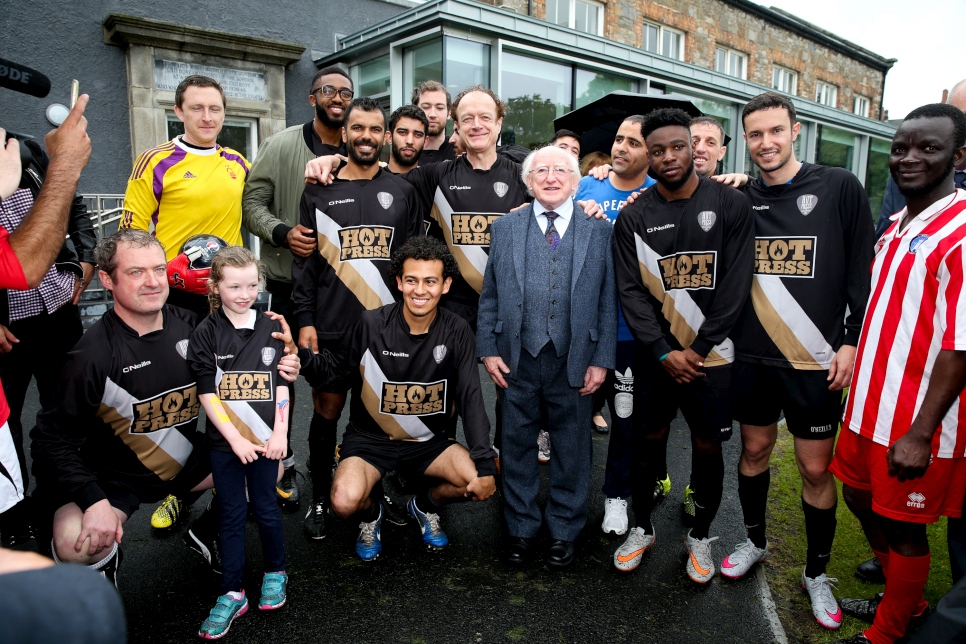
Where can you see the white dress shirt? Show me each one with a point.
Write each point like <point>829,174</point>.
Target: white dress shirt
<point>564,212</point>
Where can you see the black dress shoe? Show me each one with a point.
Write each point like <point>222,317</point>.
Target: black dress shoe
<point>870,571</point>
<point>560,554</point>
<point>518,550</point>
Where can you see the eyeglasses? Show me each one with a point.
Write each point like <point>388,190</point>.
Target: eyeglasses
<point>328,91</point>
<point>557,172</point>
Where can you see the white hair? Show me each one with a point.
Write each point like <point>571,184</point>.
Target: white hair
<point>528,163</point>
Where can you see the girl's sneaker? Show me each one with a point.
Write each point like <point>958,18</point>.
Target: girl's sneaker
<point>226,609</point>
<point>273,591</point>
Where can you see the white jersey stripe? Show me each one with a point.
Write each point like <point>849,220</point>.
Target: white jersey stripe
<point>375,378</point>
<point>169,440</point>
<point>797,320</point>
<point>365,268</point>
<point>246,414</point>
<point>679,301</point>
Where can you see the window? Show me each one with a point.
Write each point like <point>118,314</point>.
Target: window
<point>860,105</point>
<point>581,15</point>
<point>663,41</point>
<point>373,76</point>
<point>877,173</point>
<point>826,94</point>
<point>835,147</point>
<point>593,85</point>
<point>237,133</point>
<point>730,62</point>
<point>784,80</point>
<point>456,62</point>
<point>536,92</point>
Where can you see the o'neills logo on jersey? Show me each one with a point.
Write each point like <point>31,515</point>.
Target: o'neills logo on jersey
<point>690,271</point>
<point>472,229</point>
<point>788,256</point>
<point>365,242</point>
<point>413,398</point>
<point>166,410</point>
<point>245,385</point>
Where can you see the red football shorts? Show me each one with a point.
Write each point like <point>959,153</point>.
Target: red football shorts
<point>861,463</point>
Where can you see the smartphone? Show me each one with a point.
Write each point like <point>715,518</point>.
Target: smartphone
<point>74,92</point>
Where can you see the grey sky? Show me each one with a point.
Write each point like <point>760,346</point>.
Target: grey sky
<point>922,34</point>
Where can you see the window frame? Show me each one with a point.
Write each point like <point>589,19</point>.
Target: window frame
<point>856,99</point>
<point>786,73</point>
<point>572,14</point>
<point>828,99</point>
<point>661,30</point>
<point>729,52</point>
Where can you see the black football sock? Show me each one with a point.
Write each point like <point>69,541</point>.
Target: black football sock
<point>371,513</point>
<point>819,532</point>
<point>644,471</point>
<point>660,457</point>
<point>708,476</point>
<point>753,494</point>
<point>322,437</point>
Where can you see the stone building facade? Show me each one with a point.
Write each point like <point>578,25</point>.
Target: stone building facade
<point>766,37</point>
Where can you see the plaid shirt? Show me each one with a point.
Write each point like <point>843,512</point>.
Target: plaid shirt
<point>57,287</point>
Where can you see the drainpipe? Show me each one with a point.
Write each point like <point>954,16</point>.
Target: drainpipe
<point>530,9</point>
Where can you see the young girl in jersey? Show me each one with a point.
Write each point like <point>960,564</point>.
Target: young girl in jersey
<point>233,355</point>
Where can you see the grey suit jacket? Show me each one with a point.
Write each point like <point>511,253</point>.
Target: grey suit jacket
<point>593,294</point>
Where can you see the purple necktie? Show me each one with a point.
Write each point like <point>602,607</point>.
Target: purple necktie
<point>553,237</point>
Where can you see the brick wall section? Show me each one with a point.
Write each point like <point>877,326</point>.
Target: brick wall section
<point>707,23</point>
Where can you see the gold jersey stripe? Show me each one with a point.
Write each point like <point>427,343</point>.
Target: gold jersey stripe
<point>373,405</point>
<point>148,452</point>
<point>242,428</point>
<point>680,328</point>
<point>396,426</point>
<point>372,292</point>
<point>780,333</point>
<point>471,259</point>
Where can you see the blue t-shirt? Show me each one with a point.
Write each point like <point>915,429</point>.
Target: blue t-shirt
<point>610,200</point>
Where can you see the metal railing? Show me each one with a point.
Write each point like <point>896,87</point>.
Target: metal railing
<point>106,212</point>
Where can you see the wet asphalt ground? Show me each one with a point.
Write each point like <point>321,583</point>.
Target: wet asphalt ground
<point>463,594</point>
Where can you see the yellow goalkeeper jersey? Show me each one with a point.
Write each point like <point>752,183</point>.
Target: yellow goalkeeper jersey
<point>177,190</point>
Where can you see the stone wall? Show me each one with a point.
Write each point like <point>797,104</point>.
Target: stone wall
<point>708,23</point>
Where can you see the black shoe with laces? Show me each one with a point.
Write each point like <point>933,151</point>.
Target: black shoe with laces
<point>205,543</point>
<point>858,638</point>
<point>287,490</point>
<point>393,500</point>
<point>870,571</point>
<point>865,610</point>
<point>314,523</point>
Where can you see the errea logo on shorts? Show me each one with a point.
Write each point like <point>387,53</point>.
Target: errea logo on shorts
<point>916,500</point>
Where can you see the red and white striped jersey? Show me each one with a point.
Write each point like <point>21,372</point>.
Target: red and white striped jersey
<point>915,310</point>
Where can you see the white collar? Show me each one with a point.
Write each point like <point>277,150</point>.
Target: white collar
<point>565,210</point>
<point>933,208</point>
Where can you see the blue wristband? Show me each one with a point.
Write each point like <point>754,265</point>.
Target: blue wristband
<point>661,359</point>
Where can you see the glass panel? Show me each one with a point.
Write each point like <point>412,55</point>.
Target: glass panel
<point>834,147</point>
<point>594,85</point>
<point>374,76</point>
<point>650,38</point>
<point>552,10</point>
<point>236,135</point>
<point>720,60</point>
<point>877,173</point>
<point>536,92</point>
<point>671,44</point>
<point>737,66</point>
<point>861,106</point>
<point>586,19</point>
<point>723,113</point>
<point>467,63</point>
<point>563,12</point>
<point>423,62</point>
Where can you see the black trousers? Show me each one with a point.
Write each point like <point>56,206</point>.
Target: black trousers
<point>45,340</point>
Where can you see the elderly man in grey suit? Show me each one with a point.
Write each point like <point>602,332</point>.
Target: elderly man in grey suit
<point>547,333</point>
